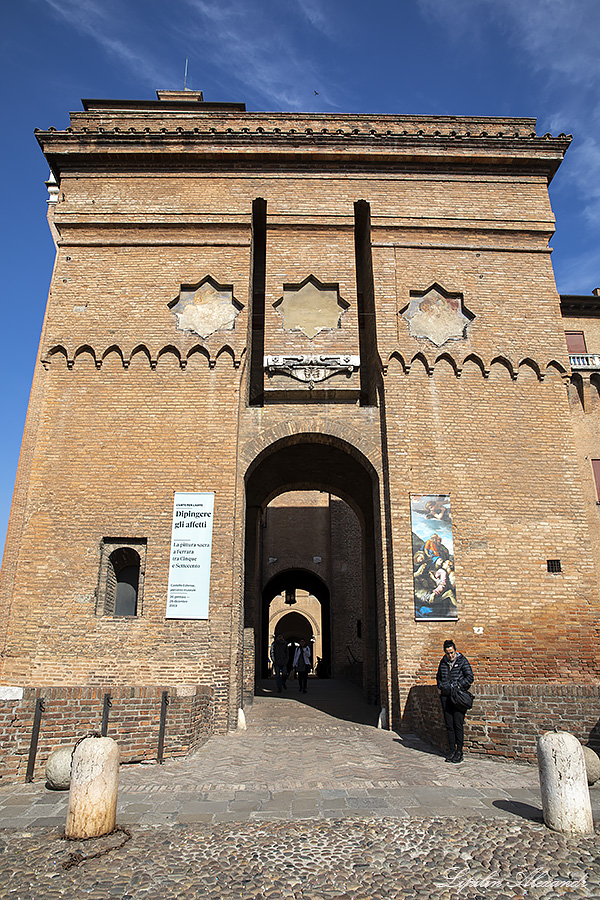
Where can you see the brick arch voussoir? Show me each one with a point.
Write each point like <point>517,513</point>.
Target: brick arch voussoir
<point>308,616</point>
<point>344,436</point>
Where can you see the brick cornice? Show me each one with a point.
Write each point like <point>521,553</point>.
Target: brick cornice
<point>248,139</point>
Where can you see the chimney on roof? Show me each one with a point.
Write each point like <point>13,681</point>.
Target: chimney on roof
<point>178,96</point>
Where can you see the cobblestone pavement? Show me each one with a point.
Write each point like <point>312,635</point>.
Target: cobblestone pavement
<point>310,801</point>
<point>312,859</point>
<point>360,858</point>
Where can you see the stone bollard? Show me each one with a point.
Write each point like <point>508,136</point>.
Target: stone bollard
<point>563,783</point>
<point>92,808</point>
<point>382,720</point>
<point>58,769</point>
<point>241,720</point>
<point>592,765</point>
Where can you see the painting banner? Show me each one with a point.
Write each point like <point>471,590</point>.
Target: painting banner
<point>433,557</point>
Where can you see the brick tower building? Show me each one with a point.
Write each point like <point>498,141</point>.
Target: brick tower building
<point>336,341</point>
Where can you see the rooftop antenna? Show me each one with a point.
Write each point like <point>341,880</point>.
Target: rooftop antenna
<point>185,75</point>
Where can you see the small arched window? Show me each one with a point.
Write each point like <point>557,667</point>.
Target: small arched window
<point>126,565</point>
<point>121,578</point>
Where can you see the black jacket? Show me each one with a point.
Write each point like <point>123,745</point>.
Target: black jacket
<point>460,673</point>
<point>279,653</point>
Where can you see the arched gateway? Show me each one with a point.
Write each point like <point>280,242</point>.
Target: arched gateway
<point>319,462</point>
<point>317,353</point>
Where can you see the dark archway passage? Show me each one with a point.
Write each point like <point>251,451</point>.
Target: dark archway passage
<point>294,579</point>
<point>316,462</point>
<point>295,626</point>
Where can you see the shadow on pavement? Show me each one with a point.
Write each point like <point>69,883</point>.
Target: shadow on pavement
<point>523,810</point>
<point>412,742</point>
<point>332,696</point>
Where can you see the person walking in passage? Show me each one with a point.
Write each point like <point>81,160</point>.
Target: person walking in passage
<point>454,668</point>
<point>279,658</point>
<point>302,664</point>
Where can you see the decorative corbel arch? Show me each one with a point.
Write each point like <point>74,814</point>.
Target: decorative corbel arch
<point>198,350</point>
<point>396,357</point>
<point>420,358</point>
<point>477,361</point>
<point>447,357</point>
<point>167,351</point>
<point>528,363</point>
<point>87,348</point>
<point>114,348</point>
<point>505,363</point>
<point>229,351</point>
<point>142,350</point>
<point>58,351</point>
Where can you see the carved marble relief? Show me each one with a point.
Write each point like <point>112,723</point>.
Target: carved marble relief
<point>437,315</point>
<point>205,307</point>
<point>311,369</point>
<point>311,306</point>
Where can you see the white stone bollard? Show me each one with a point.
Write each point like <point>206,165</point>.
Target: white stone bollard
<point>382,720</point>
<point>92,808</point>
<point>563,783</point>
<point>241,720</point>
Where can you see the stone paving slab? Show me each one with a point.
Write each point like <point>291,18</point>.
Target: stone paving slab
<point>286,763</point>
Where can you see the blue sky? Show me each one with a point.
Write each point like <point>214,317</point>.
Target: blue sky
<point>449,57</point>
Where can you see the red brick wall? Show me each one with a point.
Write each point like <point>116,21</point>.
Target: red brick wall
<point>507,720</point>
<point>347,593</point>
<point>493,444</point>
<point>71,712</point>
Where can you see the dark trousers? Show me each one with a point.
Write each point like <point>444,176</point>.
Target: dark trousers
<point>302,679</point>
<point>455,724</point>
<point>280,675</point>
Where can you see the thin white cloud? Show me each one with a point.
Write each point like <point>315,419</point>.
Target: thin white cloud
<point>558,36</point>
<point>584,172</point>
<point>97,21</point>
<point>255,45</point>
<point>580,273</point>
<point>558,41</point>
<point>260,53</point>
<point>313,12</point>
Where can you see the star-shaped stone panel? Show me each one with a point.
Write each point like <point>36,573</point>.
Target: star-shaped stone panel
<point>205,307</point>
<point>437,314</point>
<point>311,306</point>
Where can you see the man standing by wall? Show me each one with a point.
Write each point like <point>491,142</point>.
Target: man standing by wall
<point>279,658</point>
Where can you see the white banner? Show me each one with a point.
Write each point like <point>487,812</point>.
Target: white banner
<point>191,545</point>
